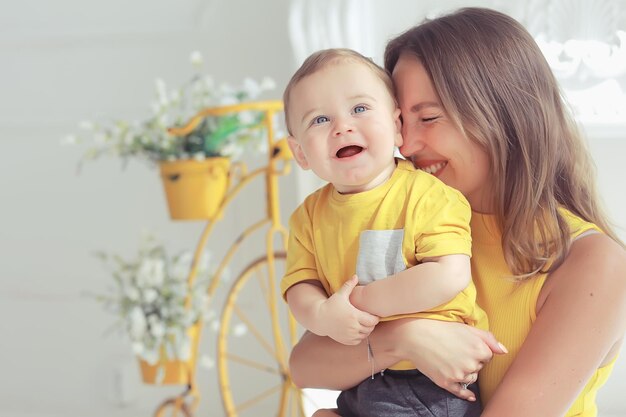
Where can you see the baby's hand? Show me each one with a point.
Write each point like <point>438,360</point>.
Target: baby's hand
<point>342,321</point>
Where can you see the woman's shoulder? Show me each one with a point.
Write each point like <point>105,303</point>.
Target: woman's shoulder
<point>595,262</point>
<point>595,266</point>
<point>597,249</point>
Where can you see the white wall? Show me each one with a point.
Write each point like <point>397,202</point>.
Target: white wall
<point>67,61</point>
<point>71,60</point>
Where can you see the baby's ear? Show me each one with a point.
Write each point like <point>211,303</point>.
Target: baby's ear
<point>298,153</point>
<point>398,134</point>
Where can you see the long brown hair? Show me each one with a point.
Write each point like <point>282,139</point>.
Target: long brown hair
<point>495,84</point>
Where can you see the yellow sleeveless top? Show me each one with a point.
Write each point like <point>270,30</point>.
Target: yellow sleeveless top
<point>511,307</point>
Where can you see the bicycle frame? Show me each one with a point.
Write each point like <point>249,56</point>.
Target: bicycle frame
<point>278,164</point>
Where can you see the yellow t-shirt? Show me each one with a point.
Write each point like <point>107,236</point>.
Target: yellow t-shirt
<point>511,307</point>
<point>380,232</point>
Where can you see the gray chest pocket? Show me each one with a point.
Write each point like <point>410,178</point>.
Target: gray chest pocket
<point>380,254</point>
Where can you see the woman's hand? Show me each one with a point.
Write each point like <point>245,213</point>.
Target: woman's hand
<point>446,352</point>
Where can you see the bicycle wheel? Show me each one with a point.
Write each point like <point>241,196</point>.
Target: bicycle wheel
<point>170,408</point>
<point>255,336</point>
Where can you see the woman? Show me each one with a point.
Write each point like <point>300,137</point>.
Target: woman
<point>482,111</point>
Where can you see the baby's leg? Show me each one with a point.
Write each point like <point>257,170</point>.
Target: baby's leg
<point>326,412</point>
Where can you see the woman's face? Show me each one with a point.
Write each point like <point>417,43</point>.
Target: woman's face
<point>432,141</point>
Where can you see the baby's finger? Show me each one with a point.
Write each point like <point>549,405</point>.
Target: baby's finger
<point>368,320</point>
<point>366,330</point>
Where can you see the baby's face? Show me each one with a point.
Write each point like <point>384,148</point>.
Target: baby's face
<point>345,126</point>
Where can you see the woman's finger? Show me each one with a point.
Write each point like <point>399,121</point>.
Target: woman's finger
<point>461,392</point>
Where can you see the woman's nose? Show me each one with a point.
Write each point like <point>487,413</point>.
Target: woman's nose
<point>411,144</point>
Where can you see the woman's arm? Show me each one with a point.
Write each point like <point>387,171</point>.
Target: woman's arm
<point>446,352</point>
<point>580,323</point>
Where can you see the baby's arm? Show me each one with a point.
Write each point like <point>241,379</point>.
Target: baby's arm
<point>332,316</point>
<point>406,292</point>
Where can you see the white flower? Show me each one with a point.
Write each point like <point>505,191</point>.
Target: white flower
<point>207,362</point>
<point>132,293</point>
<point>175,97</point>
<point>151,300</point>
<point>148,139</point>
<point>151,272</point>
<point>150,295</point>
<point>240,330</point>
<point>251,87</point>
<point>228,101</point>
<point>196,59</point>
<point>138,348</point>
<point>268,83</point>
<point>157,329</point>
<point>183,348</point>
<point>246,117</point>
<point>180,268</point>
<point>151,356</point>
<point>137,323</point>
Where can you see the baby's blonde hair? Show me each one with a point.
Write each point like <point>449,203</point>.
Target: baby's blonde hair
<point>325,57</point>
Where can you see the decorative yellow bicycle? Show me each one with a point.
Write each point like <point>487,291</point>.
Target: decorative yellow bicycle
<point>252,369</point>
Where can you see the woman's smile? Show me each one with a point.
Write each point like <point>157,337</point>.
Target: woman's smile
<point>433,168</point>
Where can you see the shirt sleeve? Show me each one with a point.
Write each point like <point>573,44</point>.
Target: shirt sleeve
<point>301,263</point>
<point>442,218</point>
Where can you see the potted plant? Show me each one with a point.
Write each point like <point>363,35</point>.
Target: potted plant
<point>159,310</point>
<point>194,167</point>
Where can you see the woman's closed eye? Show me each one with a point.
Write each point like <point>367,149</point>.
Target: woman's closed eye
<point>429,119</point>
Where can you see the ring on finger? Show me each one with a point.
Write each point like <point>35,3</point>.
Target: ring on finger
<point>471,379</point>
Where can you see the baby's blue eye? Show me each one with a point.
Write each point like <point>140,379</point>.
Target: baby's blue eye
<point>359,109</point>
<point>320,119</point>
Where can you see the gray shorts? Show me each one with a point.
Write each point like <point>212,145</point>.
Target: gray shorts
<point>404,393</point>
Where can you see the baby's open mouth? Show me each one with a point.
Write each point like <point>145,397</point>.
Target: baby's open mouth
<point>349,151</point>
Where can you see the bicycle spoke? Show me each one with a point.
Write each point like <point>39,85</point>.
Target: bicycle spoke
<point>265,394</point>
<point>252,364</point>
<point>299,403</point>
<point>294,403</point>
<point>264,289</point>
<point>242,316</point>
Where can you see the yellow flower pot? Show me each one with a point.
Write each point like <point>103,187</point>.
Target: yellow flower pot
<point>173,371</point>
<point>195,189</point>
